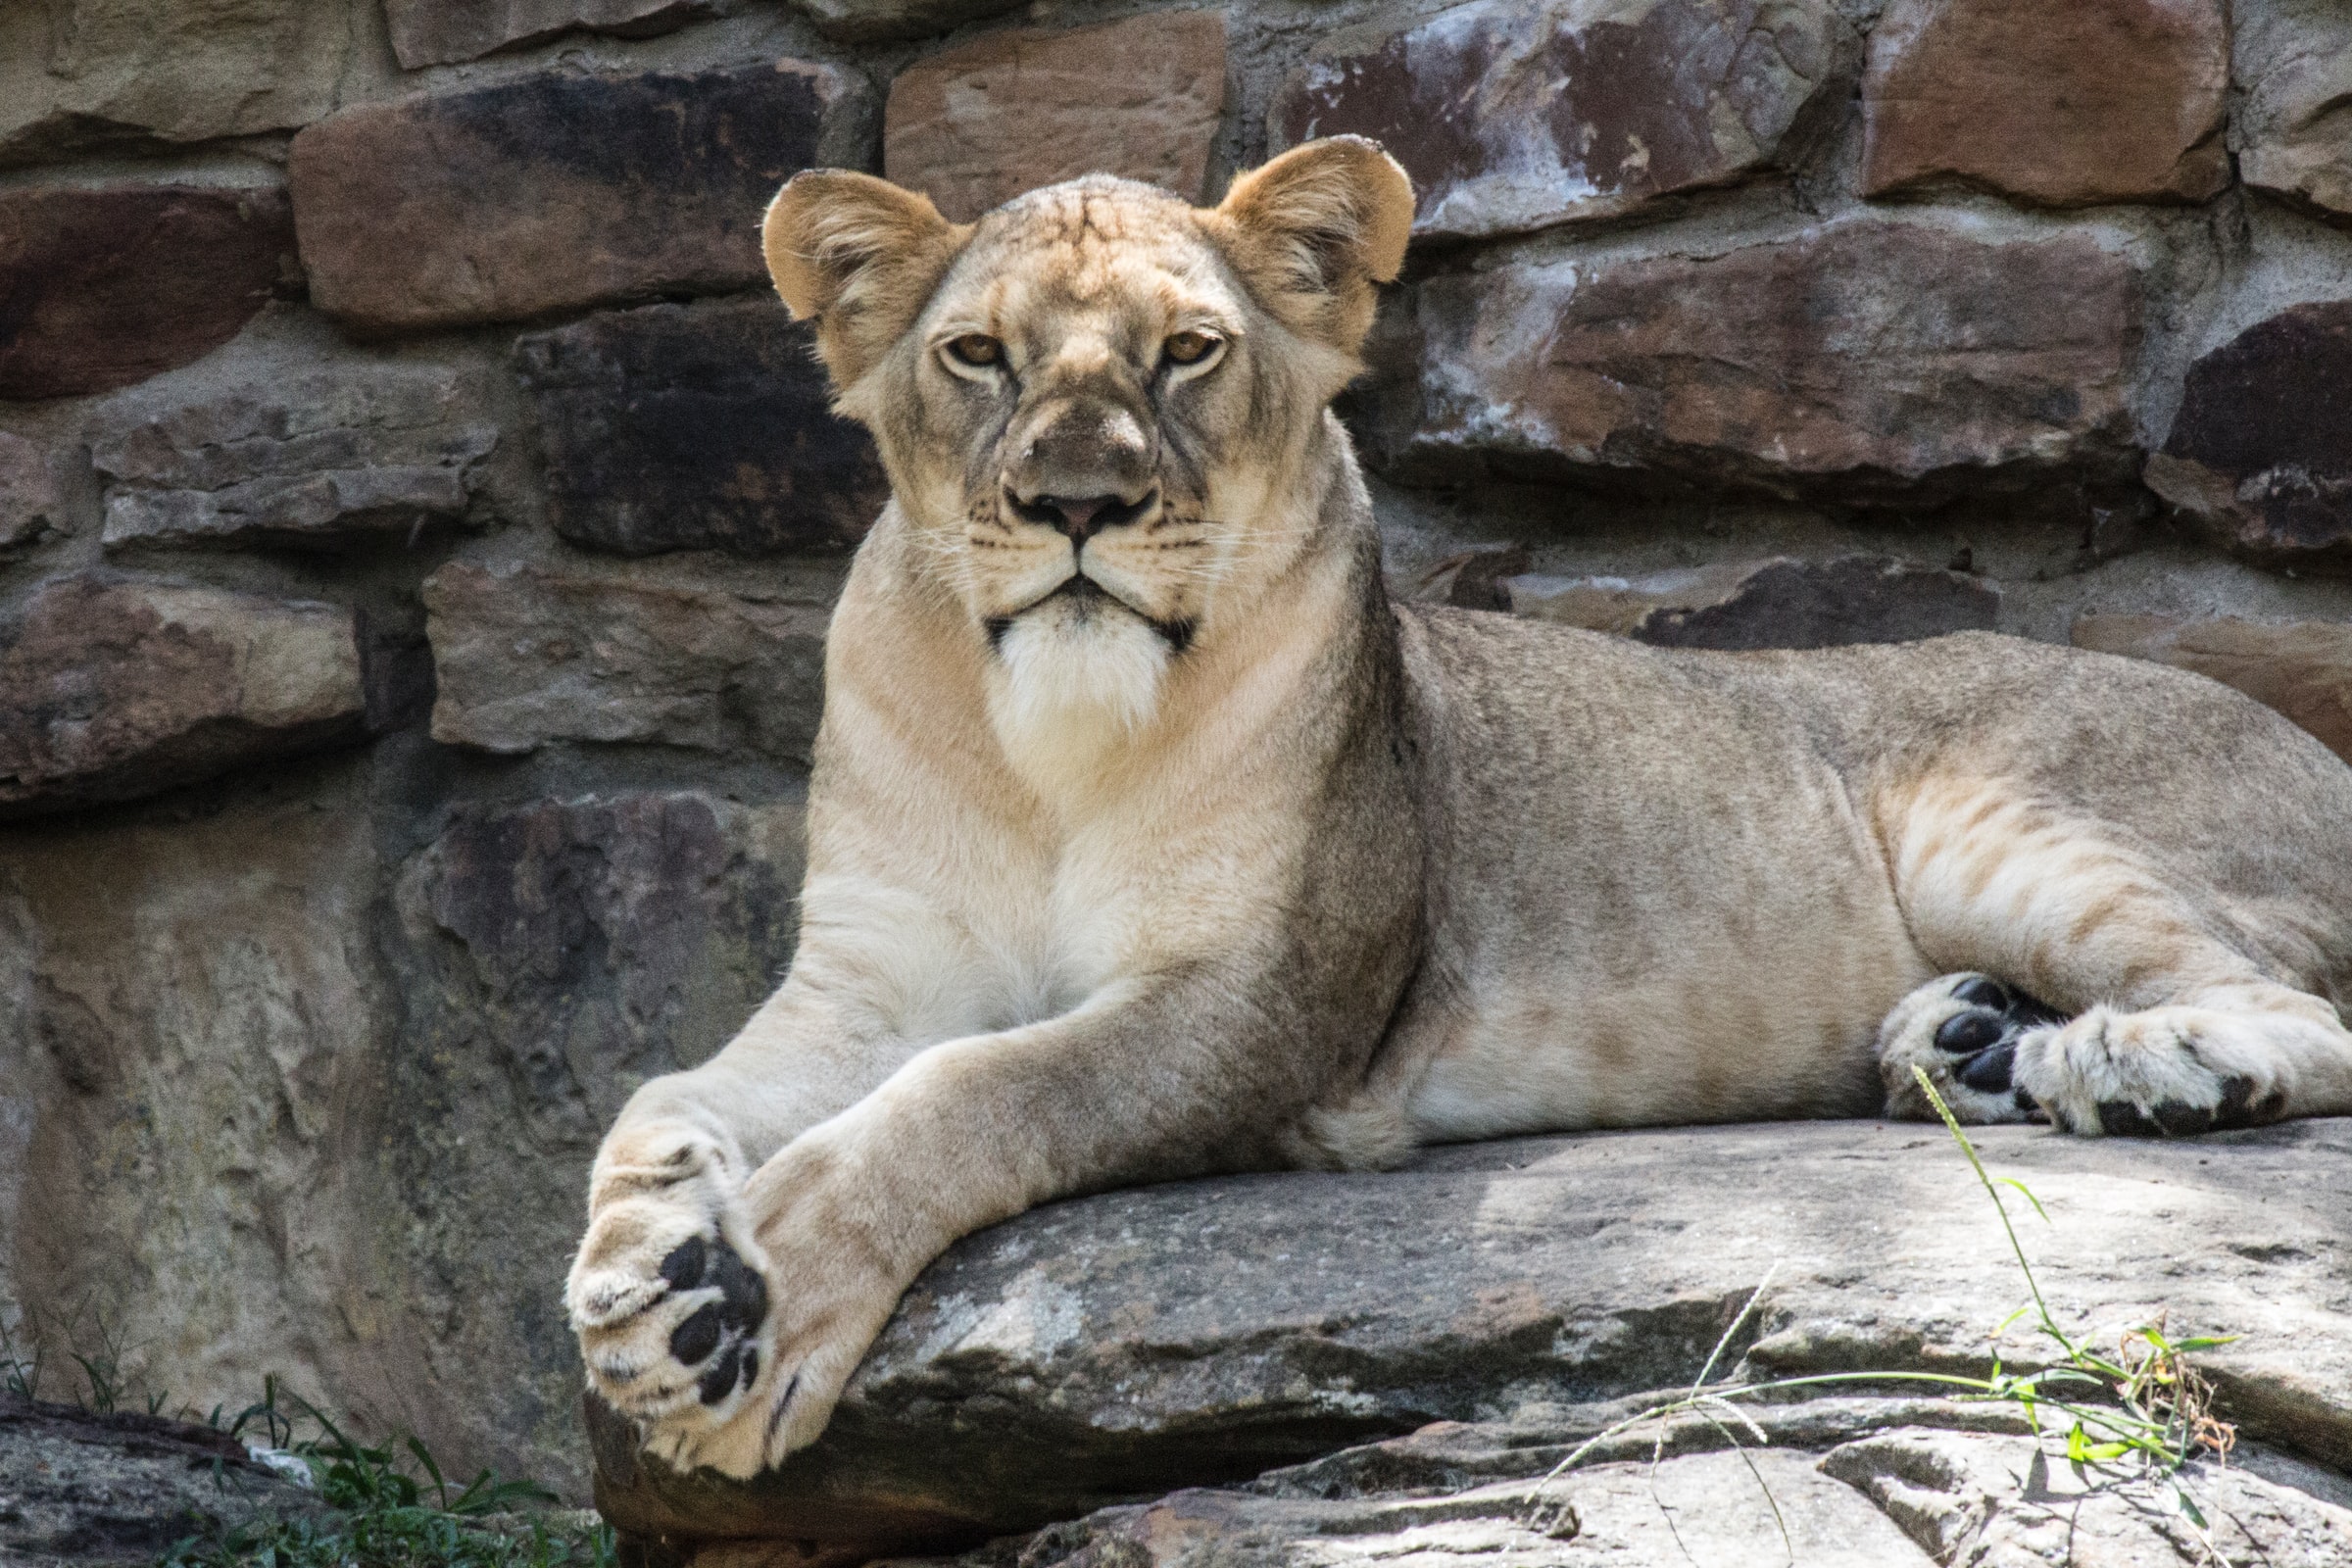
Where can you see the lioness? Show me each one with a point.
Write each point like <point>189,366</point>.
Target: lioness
<point>1148,838</point>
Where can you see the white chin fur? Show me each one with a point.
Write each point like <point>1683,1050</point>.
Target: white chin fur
<point>1072,683</point>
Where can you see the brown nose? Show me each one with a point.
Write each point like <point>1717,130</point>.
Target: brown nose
<point>1079,518</point>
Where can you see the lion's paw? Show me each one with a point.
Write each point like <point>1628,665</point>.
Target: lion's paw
<point>2168,1072</point>
<point>1965,1031</point>
<point>669,1299</point>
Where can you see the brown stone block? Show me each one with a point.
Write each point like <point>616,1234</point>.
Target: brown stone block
<point>871,20</point>
<point>433,33</point>
<point>84,74</point>
<point>2260,453</point>
<point>668,428</point>
<point>979,124</point>
<point>534,655</point>
<point>2088,101</point>
<point>1781,602</point>
<point>115,690</point>
<point>100,288</point>
<point>2294,63</point>
<point>2302,668</point>
<point>551,192</point>
<point>1510,116</point>
<point>314,459</point>
<point>31,505</point>
<point>1860,360</point>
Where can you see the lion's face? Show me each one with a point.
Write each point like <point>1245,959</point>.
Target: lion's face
<point>1098,403</point>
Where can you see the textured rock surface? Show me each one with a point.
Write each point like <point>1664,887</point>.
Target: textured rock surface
<point>1103,1350</point>
<point>2302,668</point>
<point>77,1489</point>
<point>2093,101</point>
<point>100,288</point>
<point>2292,59</point>
<point>1769,604</point>
<point>431,32</point>
<point>1511,115</point>
<point>104,74</point>
<point>1009,111</point>
<point>1876,354</point>
<point>529,657</point>
<point>1902,1496</point>
<point>552,191</point>
<point>2260,453</point>
<point>115,690</point>
<point>335,1121</point>
<point>312,462</point>
<point>877,21</point>
<point>667,428</point>
<point>29,503</point>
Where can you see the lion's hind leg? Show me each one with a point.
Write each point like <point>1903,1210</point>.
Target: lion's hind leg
<point>2090,985</point>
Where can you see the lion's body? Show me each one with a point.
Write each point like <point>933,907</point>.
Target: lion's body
<point>1147,837</point>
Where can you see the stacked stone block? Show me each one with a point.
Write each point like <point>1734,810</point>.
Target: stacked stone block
<point>418,520</point>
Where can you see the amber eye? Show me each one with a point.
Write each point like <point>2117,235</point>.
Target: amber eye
<point>1188,348</point>
<point>976,348</point>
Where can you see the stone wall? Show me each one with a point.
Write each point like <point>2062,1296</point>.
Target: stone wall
<point>418,523</point>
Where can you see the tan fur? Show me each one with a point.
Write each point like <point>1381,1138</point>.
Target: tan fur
<point>1218,861</point>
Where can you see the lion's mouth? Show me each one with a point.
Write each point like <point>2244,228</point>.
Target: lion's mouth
<point>1089,597</point>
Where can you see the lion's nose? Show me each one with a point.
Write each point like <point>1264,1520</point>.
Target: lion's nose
<point>1080,518</point>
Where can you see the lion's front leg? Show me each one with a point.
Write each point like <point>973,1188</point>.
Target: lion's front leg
<point>968,1133</point>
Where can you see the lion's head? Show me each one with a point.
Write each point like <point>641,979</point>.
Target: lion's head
<point>1098,405</point>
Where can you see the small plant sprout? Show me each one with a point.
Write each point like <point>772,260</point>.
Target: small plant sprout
<point>2146,1401</point>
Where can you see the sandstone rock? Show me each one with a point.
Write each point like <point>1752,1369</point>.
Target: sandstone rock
<point>1864,359</point>
<point>2292,61</point>
<point>79,1488</point>
<point>29,503</point>
<point>80,75</point>
<point>2259,454</point>
<point>551,192</point>
<point>2095,101</point>
<point>433,33</point>
<point>2303,669</point>
<point>103,287</point>
<point>1009,111</point>
<point>115,690</point>
<point>534,655</point>
<point>1104,1351</point>
<point>314,459</point>
<point>667,428</point>
<point>1779,602</point>
<point>874,20</point>
<point>1510,116</point>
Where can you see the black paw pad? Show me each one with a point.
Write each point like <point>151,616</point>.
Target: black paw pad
<point>1985,1035</point>
<point>720,1331</point>
<point>1988,1071</point>
<point>1964,1034</point>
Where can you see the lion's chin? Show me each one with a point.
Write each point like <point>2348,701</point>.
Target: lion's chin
<point>1076,679</point>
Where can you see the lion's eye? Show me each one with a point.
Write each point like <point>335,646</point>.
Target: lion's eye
<point>1188,348</point>
<point>976,348</point>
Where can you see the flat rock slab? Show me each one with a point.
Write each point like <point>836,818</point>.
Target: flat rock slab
<point>1512,117</point>
<point>434,32</point>
<point>1110,1350</point>
<point>553,192</point>
<point>2093,101</point>
<point>108,286</point>
<point>85,1489</point>
<point>979,124</point>
<point>2301,667</point>
<point>2292,59</point>
<point>710,428</point>
<point>1876,358</point>
<point>1779,602</point>
<point>2260,453</point>
<point>114,690</point>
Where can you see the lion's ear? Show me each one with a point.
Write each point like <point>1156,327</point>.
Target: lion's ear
<point>859,256</point>
<point>1316,230</point>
